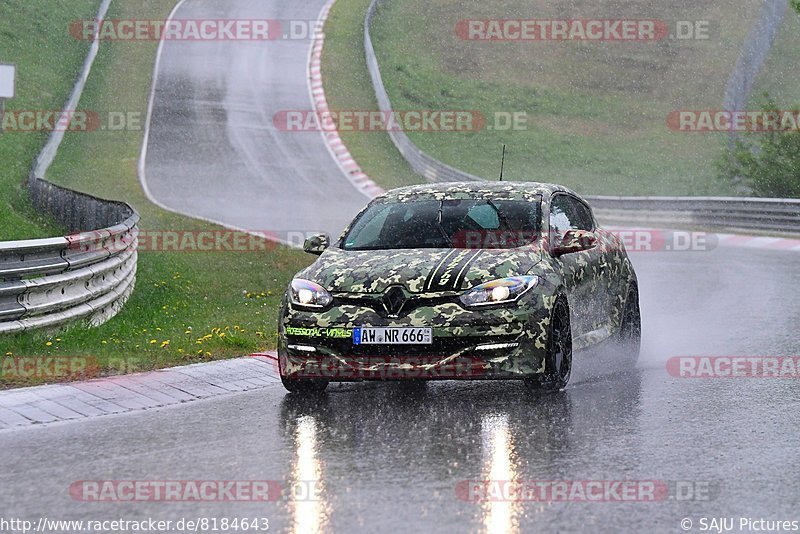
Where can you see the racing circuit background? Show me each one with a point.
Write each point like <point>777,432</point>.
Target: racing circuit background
<point>380,456</point>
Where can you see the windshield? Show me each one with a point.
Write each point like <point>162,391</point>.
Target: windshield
<point>486,224</point>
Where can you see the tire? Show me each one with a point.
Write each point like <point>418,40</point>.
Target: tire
<point>308,386</point>
<point>558,361</point>
<point>304,385</point>
<point>629,337</point>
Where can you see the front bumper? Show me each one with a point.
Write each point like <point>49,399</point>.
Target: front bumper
<point>497,343</point>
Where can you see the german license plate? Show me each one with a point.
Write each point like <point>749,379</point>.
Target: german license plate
<point>392,336</point>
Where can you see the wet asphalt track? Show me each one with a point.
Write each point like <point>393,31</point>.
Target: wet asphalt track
<point>388,458</point>
<point>214,151</point>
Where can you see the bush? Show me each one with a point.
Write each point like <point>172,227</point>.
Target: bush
<point>769,163</point>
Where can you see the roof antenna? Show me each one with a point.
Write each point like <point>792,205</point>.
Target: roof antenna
<point>503,163</point>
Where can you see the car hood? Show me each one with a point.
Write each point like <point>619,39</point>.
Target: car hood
<point>419,270</point>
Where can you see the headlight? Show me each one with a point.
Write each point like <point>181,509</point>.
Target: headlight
<point>503,291</point>
<point>306,294</point>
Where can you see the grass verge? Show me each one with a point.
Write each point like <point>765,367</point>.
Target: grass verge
<point>349,87</point>
<point>780,77</point>
<point>187,307</point>
<point>596,111</point>
<point>34,37</point>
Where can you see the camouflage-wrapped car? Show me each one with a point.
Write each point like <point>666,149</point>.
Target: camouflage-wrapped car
<point>459,280</point>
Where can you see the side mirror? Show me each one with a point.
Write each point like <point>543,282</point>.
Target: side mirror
<point>575,241</point>
<point>317,244</point>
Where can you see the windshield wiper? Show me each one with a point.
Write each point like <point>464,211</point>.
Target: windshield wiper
<point>441,227</point>
<point>500,215</point>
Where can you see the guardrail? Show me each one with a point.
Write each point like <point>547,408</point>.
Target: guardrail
<point>751,214</point>
<point>769,215</point>
<point>85,275</point>
<point>430,168</point>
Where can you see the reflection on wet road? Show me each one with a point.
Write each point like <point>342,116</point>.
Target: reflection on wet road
<point>441,458</point>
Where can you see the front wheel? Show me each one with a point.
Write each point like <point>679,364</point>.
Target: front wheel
<point>558,361</point>
<point>304,385</point>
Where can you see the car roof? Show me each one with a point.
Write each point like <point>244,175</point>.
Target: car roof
<point>469,190</point>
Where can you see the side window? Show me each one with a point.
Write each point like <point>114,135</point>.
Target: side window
<point>583,217</point>
<point>566,213</point>
<point>559,218</point>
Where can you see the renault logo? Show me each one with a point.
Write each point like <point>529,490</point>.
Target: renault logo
<point>393,301</point>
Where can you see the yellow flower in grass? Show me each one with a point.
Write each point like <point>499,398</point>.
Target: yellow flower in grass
<point>153,341</point>
<point>49,344</point>
<point>165,344</point>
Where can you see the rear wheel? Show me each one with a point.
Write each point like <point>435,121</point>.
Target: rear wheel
<point>558,361</point>
<point>630,330</point>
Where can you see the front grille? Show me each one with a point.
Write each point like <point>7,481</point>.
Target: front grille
<point>375,303</point>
